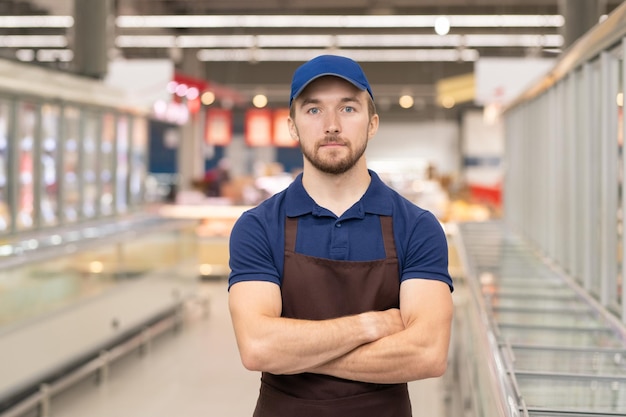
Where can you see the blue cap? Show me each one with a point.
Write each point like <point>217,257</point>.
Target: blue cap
<point>338,66</point>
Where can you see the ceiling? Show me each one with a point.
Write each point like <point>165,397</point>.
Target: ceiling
<point>389,79</point>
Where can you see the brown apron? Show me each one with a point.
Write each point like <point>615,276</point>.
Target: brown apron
<point>317,289</point>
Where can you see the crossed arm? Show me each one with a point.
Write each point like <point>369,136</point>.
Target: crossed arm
<point>378,346</point>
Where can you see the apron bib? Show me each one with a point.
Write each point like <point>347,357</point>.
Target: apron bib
<point>318,289</point>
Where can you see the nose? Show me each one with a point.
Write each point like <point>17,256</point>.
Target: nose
<point>332,124</point>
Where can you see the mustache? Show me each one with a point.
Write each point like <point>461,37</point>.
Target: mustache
<point>333,139</point>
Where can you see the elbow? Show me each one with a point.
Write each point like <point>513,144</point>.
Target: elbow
<point>258,356</point>
<point>252,358</point>
<point>439,366</point>
<point>432,365</point>
<point>250,362</point>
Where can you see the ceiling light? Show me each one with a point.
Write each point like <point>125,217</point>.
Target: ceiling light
<point>207,98</point>
<point>55,55</point>
<point>216,41</point>
<point>25,55</point>
<point>447,102</point>
<point>514,40</point>
<point>146,41</point>
<point>259,101</point>
<point>36,21</point>
<point>406,102</point>
<point>33,41</point>
<point>335,21</point>
<point>507,20</point>
<point>362,55</point>
<point>192,93</point>
<point>338,41</point>
<point>442,25</point>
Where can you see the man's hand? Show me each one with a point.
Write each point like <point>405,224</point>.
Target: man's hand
<point>379,324</point>
<point>418,351</point>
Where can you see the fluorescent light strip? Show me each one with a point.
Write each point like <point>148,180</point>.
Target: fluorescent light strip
<point>335,21</point>
<point>33,41</point>
<point>45,55</point>
<point>36,21</point>
<point>473,41</point>
<point>288,21</point>
<point>362,55</point>
<point>506,20</point>
<point>146,41</point>
<point>339,41</point>
<point>527,41</point>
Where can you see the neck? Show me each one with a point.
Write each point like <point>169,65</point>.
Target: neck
<point>336,193</point>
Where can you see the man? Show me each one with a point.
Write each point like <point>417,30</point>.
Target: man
<point>339,291</point>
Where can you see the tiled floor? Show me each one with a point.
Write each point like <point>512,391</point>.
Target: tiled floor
<point>193,373</point>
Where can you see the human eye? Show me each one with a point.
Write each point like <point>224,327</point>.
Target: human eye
<point>349,109</point>
<point>313,110</point>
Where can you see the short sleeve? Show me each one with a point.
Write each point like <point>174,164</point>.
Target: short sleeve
<point>251,256</point>
<point>427,251</point>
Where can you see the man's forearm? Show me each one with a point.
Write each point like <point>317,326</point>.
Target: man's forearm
<point>287,346</point>
<point>419,351</point>
<point>393,359</point>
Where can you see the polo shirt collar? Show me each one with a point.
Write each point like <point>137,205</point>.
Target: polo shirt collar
<point>376,200</point>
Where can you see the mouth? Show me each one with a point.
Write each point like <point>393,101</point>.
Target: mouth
<point>332,142</point>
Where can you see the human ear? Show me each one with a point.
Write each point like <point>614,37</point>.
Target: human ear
<point>373,126</point>
<point>293,130</point>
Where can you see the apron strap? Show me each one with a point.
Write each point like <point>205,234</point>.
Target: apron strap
<point>386,223</point>
<point>291,229</point>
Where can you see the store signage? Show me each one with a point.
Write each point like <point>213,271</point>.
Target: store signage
<point>258,128</point>
<point>268,127</point>
<point>219,127</point>
<point>281,136</point>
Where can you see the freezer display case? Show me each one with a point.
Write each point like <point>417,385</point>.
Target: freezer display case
<point>107,164</point>
<point>80,263</point>
<point>559,351</point>
<point>72,150</point>
<point>26,135</point>
<point>48,189</point>
<point>90,164</point>
<point>599,396</point>
<point>5,140</point>
<point>610,362</point>
<point>121,164</point>
<point>138,160</point>
<point>71,163</point>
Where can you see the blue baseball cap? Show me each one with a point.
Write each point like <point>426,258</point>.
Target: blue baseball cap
<point>335,65</point>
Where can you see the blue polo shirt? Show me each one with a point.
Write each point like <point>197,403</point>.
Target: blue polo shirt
<point>257,241</point>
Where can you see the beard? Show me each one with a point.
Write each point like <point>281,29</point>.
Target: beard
<point>331,162</point>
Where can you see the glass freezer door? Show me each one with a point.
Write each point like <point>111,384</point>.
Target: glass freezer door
<point>107,164</point>
<point>121,167</point>
<point>138,160</point>
<point>5,207</point>
<point>49,197</point>
<point>27,125</point>
<point>90,164</point>
<point>71,165</point>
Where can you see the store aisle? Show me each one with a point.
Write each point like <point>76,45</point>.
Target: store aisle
<point>193,373</point>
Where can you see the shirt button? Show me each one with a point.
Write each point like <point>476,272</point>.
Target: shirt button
<point>338,224</point>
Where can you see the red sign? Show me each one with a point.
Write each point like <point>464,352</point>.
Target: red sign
<point>219,127</point>
<point>281,136</point>
<point>258,128</point>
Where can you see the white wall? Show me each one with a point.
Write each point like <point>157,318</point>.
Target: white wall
<point>484,144</point>
<point>417,144</point>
